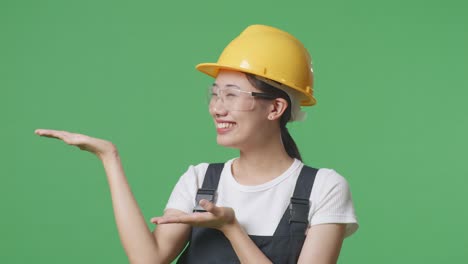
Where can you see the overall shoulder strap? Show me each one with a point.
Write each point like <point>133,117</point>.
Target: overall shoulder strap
<point>305,182</point>
<point>209,185</point>
<point>204,240</point>
<point>295,219</point>
<point>212,176</point>
<point>299,211</point>
<point>300,204</point>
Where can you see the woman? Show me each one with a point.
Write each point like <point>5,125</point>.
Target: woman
<point>265,206</point>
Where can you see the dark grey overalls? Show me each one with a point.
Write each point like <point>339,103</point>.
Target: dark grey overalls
<point>209,246</point>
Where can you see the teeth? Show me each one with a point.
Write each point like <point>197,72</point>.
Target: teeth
<point>224,125</point>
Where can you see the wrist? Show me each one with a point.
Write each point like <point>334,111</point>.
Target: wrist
<point>231,229</point>
<point>110,154</point>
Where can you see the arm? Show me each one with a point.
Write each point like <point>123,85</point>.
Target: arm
<point>332,218</point>
<point>171,239</point>
<point>223,219</point>
<point>322,244</point>
<point>245,248</point>
<point>140,245</point>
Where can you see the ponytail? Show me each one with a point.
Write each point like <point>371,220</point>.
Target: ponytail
<point>288,142</point>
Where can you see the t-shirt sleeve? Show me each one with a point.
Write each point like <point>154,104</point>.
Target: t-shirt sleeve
<point>331,201</point>
<point>183,195</point>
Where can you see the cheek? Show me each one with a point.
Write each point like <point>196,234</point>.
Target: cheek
<point>252,123</point>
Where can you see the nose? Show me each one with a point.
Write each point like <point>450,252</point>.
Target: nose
<point>218,109</point>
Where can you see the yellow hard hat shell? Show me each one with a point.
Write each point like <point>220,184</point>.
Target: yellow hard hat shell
<point>270,53</point>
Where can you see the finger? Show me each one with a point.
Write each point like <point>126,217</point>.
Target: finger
<point>49,133</point>
<point>163,219</point>
<point>167,220</point>
<point>155,220</point>
<point>209,207</point>
<point>41,132</point>
<point>191,219</point>
<point>65,136</point>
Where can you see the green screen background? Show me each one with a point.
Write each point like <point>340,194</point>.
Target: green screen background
<point>391,84</point>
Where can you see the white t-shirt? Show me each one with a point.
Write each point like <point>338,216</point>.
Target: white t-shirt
<point>260,208</point>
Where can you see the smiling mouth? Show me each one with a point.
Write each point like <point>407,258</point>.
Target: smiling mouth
<point>225,125</point>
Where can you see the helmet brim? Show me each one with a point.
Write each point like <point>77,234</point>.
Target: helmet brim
<point>212,69</point>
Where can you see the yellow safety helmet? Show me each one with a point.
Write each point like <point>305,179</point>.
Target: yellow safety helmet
<point>270,53</point>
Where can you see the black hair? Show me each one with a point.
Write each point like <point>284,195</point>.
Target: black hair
<point>288,142</point>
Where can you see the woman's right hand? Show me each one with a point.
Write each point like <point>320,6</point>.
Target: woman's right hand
<point>99,147</point>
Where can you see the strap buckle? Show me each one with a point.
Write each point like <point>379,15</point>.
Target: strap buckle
<point>207,194</point>
<point>299,210</point>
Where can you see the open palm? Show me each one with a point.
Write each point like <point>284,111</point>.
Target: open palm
<point>97,146</point>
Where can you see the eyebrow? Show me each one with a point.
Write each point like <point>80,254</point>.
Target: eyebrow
<point>228,86</point>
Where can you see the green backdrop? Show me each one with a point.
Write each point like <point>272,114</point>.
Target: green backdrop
<point>391,84</point>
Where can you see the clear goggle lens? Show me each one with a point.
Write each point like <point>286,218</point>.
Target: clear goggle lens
<point>231,98</point>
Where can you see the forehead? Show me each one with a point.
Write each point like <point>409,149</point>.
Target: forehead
<point>233,78</point>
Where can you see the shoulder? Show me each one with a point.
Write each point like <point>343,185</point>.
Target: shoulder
<point>195,174</point>
<point>329,178</point>
<point>184,192</point>
<point>197,169</point>
<point>329,183</point>
<point>200,167</point>
<point>326,179</point>
<point>331,200</point>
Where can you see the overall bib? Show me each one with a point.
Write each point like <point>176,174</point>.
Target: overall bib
<point>210,246</point>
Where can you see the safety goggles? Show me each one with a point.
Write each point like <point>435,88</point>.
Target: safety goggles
<point>233,98</point>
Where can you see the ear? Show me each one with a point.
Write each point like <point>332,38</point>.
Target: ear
<point>277,108</point>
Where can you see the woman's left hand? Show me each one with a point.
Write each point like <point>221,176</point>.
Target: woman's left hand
<point>214,217</point>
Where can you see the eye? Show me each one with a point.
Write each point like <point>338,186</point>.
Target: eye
<point>213,92</point>
<point>231,93</point>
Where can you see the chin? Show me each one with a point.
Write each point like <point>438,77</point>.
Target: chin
<point>227,142</point>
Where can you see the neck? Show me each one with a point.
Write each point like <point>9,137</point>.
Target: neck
<point>261,164</point>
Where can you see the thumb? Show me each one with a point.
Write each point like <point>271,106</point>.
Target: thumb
<point>209,206</point>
